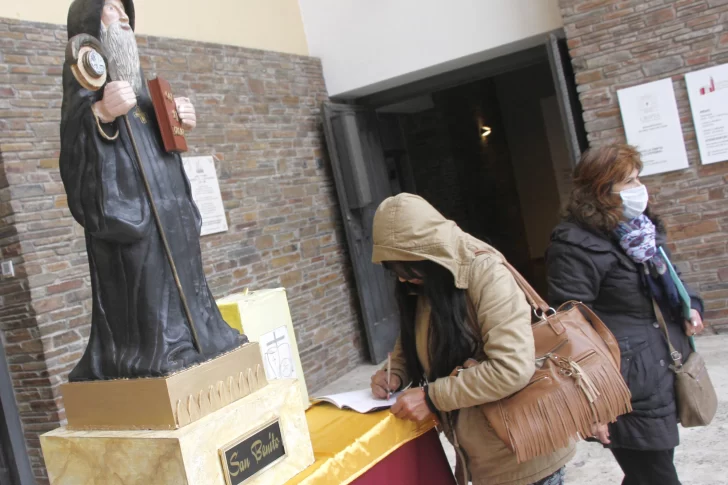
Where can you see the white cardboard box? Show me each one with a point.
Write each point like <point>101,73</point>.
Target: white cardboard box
<point>264,317</point>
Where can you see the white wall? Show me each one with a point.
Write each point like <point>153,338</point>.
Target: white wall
<point>259,24</point>
<point>370,45</point>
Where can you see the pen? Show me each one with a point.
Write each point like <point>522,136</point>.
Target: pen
<point>389,374</point>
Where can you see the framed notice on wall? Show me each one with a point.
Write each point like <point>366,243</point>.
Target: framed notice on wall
<point>206,193</point>
<point>652,124</point>
<point>708,94</point>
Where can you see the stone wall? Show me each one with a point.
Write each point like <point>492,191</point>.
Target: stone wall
<point>616,44</point>
<point>258,114</point>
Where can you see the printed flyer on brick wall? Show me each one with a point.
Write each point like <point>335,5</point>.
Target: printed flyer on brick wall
<point>652,124</point>
<point>708,93</point>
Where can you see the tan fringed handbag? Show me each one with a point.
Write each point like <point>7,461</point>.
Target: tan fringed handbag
<point>577,381</point>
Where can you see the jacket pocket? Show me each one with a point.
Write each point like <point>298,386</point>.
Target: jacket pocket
<point>487,454</point>
<point>638,369</point>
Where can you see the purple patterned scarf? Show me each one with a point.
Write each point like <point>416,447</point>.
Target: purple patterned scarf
<point>637,239</point>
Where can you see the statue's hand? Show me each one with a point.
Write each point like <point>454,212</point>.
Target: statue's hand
<point>186,113</point>
<point>119,99</point>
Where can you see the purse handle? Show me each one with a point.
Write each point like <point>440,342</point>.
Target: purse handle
<point>540,307</point>
<point>674,354</point>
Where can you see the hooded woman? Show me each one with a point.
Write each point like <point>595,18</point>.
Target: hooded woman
<point>451,284</point>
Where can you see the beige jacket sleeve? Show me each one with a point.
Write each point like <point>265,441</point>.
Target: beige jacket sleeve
<point>504,316</point>
<point>399,365</point>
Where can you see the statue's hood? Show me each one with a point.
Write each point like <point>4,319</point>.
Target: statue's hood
<point>84,16</point>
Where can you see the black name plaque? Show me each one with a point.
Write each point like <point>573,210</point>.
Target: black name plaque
<point>241,460</point>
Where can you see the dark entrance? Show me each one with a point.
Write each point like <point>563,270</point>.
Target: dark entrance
<point>491,146</point>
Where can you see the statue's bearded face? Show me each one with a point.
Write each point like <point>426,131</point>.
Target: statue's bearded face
<point>118,39</point>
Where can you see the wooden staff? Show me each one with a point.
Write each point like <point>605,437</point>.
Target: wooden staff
<point>158,221</point>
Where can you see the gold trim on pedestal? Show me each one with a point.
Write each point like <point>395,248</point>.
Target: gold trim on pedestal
<point>167,402</point>
<point>185,456</point>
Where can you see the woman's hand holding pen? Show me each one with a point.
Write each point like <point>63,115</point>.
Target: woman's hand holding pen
<point>379,384</point>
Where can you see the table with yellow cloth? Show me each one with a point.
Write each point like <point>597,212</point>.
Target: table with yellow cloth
<point>353,448</point>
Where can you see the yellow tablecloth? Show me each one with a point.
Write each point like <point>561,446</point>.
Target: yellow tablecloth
<point>346,444</point>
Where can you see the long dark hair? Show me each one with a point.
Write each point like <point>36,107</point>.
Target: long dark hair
<point>451,339</point>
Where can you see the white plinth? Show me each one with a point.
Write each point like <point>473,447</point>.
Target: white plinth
<point>186,456</point>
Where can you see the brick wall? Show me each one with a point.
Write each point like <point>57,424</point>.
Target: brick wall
<point>616,44</point>
<point>258,113</point>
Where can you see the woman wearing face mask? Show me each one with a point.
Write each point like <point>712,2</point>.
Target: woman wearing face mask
<point>457,304</point>
<point>606,254</point>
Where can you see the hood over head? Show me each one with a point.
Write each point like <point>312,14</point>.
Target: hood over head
<point>84,17</point>
<point>407,228</point>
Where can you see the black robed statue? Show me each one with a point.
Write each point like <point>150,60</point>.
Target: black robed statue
<point>140,325</point>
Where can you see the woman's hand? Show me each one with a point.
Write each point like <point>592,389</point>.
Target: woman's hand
<point>379,384</point>
<point>695,325</point>
<point>467,365</point>
<point>601,432</point>
<point>412,406</point>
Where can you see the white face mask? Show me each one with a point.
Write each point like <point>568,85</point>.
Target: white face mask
<point>634,201</point>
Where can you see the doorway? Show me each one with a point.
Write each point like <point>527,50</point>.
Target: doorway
<point>491,146</point>
<point>490,155</point>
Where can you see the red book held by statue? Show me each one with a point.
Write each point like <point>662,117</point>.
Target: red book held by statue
<point>173,135</point>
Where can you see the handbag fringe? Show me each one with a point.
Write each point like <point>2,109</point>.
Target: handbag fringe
<point>598,395</point>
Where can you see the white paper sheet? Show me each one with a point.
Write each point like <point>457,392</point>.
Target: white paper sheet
<point>277,356</point>
<point>652,124</point>
<point>206,193</point>
<point>360,401</point>
<point>708,94</point>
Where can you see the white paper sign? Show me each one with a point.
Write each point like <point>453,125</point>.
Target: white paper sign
<point>206,193</point>
<point>277,355</point>
<point>708,93</point>
<point>652,124</point>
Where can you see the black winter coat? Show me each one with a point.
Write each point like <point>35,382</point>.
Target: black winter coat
<point>593,269</point>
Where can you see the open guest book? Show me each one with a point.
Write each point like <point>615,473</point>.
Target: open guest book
<point>360,401</point>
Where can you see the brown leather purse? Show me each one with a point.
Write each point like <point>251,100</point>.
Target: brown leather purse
<point>577,382</point>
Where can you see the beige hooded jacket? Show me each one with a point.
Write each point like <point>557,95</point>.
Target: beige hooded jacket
<point>407,228</point>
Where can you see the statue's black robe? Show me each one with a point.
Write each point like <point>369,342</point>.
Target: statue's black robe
<point>139,328</point>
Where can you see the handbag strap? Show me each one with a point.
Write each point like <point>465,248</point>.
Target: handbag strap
<point>540,307</point>
<point>674,354</point>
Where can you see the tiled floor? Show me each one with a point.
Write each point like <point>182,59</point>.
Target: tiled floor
<point>700,460</point>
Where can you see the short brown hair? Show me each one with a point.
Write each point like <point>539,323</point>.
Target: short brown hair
<point>593,202</point>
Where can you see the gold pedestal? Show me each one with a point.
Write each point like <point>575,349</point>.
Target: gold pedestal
<point>186,456</point>
<point>166,402</point>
